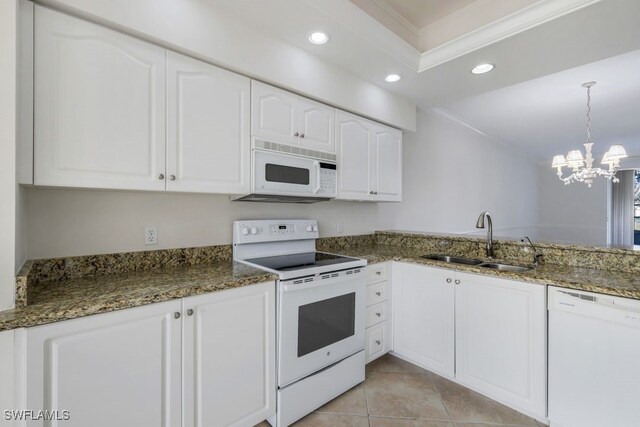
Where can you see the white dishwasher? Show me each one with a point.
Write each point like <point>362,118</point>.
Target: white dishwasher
<point>594,360</point>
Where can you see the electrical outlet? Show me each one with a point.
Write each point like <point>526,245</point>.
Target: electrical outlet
<point>151,235</point>
<point>340,227</point>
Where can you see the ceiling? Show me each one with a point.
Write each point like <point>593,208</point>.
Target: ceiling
<point>547,116</point>
<point>532,100</point>
<point>426,24</point>
<point>421,13</point>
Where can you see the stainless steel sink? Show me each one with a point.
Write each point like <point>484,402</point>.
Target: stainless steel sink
<point>452,259</point>
<point>477,262</point>
<point>505,267</point>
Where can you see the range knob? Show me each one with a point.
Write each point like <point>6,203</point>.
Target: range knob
<point>254,230</point>
<point>309,228</point>
<point>244,231</point>
<point>315,228</point>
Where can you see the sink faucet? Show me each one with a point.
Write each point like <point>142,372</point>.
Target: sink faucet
<point>480,224</point>
<point>536,254</point>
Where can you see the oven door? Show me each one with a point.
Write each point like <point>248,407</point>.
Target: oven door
<point>283,174</point>
<point>321,321</point>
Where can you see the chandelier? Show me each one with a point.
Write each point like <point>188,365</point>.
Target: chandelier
<point>582,167</point>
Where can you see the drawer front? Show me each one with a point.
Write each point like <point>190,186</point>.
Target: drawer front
<point>377,293</point>
<point>377,313</point>
<point>376,341</point>
<point>377,273</point>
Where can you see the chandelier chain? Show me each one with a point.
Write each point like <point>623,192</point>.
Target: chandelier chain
<point>588,114</point>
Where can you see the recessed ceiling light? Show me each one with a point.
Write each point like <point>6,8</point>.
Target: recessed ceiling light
<point>482,68</point>
<point>391,78</point>
<point>318,37</point>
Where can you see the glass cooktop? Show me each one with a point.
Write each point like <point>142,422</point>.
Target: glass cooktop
<point>300,261</point>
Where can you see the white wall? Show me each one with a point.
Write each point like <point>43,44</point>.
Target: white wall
<point>574,213</point>
<point>8,67</point>
<point>451,174</point>
<point>196,27</point>
<point>66,222</point>
<point>8,132</point>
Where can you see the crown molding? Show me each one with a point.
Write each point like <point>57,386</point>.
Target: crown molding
<point>532,16</point>
<point>382,4</point>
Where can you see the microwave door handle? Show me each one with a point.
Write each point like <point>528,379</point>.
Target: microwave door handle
<point>316,166</point>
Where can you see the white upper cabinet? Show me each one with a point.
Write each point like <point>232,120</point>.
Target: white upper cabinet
<point>99,106</point>
<point>115,369</point>
<point>316,125</point>
<point>274,113</point>
<point>354,152</point>
<point>388,163</point>
<point>369,159</point>
<point>208,141</point>
<point>284,117</point>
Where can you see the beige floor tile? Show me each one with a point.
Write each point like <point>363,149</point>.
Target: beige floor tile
<point>467,406</point>
<point>352,402</point>
<point>317,419</point>
<point>389,363</point>
<point>394,394</point>
<point>486,425</point>
<point>400,422</point>
<point>263,424</point>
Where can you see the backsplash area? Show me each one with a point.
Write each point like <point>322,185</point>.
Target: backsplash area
<point>622,260</point>
<point>56,269</point>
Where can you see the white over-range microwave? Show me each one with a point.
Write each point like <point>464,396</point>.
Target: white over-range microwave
<point>285,173</point>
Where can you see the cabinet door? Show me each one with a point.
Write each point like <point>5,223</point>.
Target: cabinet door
<point>423,316</point>
<point>115,369</point>
<point>387,171</point>
<point>230,357</point>
<point>209,144</point>
<point>354,138</point>
<point>99,100</point>
<point>317,125</point>
<point>500,340</point>
<point>274,113</point>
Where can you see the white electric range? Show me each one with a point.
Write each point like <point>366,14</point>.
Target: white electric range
<point>320,312</point>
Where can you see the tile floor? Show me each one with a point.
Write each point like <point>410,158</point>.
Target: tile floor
<point>399,394</point>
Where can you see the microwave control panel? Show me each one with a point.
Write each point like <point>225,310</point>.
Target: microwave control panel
<point>328,181</point>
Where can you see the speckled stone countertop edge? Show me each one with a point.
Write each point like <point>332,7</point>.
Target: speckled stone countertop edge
<point>37,314</point>
<point>538,275</point>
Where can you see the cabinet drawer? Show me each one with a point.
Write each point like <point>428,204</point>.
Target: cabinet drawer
<point>377,313</point>
<point>377,292</point>
<point>377,273</point>
<point>376,341</point>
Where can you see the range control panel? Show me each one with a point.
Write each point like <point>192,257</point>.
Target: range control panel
<point>257,231</point>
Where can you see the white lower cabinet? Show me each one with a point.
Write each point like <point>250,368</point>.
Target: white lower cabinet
<point>423,316</point>
<point>501,340</point>
<point>378,314</point>
<point>229,351</point>
<point>484,332</point>
<point>160,364</point>
<point>115,369</point>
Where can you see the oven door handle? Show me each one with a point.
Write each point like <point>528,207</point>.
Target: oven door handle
<point>316,166</point>
<point>310,285</point>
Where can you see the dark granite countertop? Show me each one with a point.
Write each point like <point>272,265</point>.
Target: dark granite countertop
<point>68,288</point>
<point>623,284</point>
<point>77,297</point>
